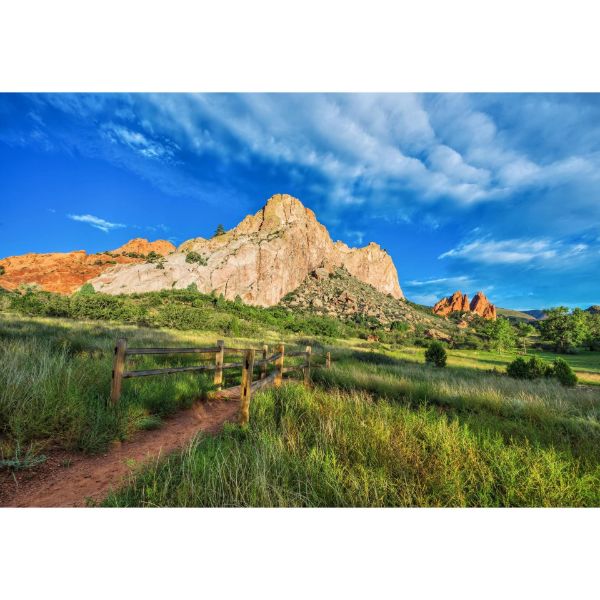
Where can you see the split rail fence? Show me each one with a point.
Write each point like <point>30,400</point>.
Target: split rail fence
<point>247,365</point>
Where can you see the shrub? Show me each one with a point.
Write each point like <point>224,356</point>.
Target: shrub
<point>2,270</point>
<point>194,257</point>
<point>192,287</point>
<point>436,354</point>
<point>534,368</point>
<point>220,230</point>
<point>153,257</point>
<point>87,288</point>
<point>564,373</point>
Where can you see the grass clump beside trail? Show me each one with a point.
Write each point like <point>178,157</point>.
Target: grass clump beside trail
<point>55,382</point>
<point>352,448</point>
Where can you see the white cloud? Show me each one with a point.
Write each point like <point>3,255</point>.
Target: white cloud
<point>139,143</point>
<point>451,281</point>
<point>514,251</point>
<point>96,222</point>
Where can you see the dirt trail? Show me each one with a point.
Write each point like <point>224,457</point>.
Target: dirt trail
<point>71,479</point>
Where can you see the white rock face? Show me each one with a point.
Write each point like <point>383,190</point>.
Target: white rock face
<point>262,259</point>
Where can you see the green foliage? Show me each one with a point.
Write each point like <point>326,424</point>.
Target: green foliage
<point>436,354</point>
<point>2,270</point>
<point>333,448</point>
<point>500,333</point>
<point>195,257</point>
<point>220,230</point>
<point>564,373</point>
<point>534,368</point>
<point>86,289</point>
<point>154,257</point>
<point>192,287</point>
<point>566,330</point>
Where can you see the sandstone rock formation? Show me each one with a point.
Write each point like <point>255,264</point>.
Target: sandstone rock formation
<point>65,272</point>
<point>459,302</point>
<point>262,259</point>
<point>482,306</point>
<point>143,246</point>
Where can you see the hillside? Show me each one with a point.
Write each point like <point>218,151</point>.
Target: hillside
<point>265,257</point>
<point>340,295</point>
<point>516,314</point>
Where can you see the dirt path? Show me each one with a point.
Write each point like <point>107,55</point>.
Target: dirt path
<point>71,479</point>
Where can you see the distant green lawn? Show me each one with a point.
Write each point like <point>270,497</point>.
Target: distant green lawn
<point>585,364</point>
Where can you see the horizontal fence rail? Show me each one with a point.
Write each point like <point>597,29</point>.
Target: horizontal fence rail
<point>248,365</point>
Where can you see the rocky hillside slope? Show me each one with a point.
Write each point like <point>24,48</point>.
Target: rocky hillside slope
<point>340,295</point>
<point>65,272</point>
<point>265,257</point>
<point>459,302</point>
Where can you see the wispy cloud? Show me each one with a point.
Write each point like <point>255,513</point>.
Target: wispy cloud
<point>515,251</point>
<point>461,279</point>
<point>96,222</point>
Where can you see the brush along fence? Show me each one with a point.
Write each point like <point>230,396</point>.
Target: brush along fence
<point>247,365</point>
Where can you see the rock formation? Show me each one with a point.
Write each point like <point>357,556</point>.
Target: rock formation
<point>266,256</point>
<point>65,272</point>
<point>340,295</point>
<point>459,302</point>
<point>142,246</point>
<point>482,306</point>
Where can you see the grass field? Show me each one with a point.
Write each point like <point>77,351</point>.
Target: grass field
<point>586,364</point>
<point>379,429</point>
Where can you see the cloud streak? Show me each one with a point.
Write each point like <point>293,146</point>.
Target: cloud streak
<point>96,222</point>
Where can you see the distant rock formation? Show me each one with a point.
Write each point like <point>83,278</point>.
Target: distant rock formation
<point>143,246</point>
<point>268,255</point>
<point>459,302</point>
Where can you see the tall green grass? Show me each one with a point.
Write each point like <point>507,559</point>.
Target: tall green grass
<point>339,448</point>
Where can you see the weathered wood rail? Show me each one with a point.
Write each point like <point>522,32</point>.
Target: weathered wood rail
<point>247,365</point>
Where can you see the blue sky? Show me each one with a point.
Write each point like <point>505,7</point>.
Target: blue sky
<point>499,192</point>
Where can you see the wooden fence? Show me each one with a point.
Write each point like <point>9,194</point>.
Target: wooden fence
<point>247,365</point>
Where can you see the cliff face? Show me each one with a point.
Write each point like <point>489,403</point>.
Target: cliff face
<point>459,302</point>
<point>265,257</point>
<point>65,272</point>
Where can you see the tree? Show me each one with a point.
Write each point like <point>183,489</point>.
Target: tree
<point>565,330</point>
<point>436,354</point>
<point>220,230</point>
<point>524,330</point>
<point>500,333</point>
<point>2,270</point>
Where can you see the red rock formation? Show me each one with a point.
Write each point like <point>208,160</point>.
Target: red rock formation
<point>142,246</point>
<point>458,302</point>
<point>483,307</point>
<point>65,272</point>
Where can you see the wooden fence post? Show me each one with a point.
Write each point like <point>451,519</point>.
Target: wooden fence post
<point>306,368</point>
<point>279,366</point>
<point>328,360</point>
<point>246,390</point>
<point>263,367</point>
<point>219,356</point>
<point>118,368</point>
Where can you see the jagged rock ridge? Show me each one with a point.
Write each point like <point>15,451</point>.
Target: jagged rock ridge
<point>265,257</point>
<point>459,302</point>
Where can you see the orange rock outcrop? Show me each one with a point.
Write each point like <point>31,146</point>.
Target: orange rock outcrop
<point>65,272</point>
<point>459,302</point>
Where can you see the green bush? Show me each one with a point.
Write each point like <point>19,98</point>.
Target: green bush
<point>534,368</point>
<point>436,354</point>
<point>194,257</point>
<point>564,373</point>
<point>2,270</point>
<point>87,288</point>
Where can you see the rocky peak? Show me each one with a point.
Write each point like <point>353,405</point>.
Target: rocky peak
<point>482,306</point>
<point>459,302</point>
<point>261,260</point>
